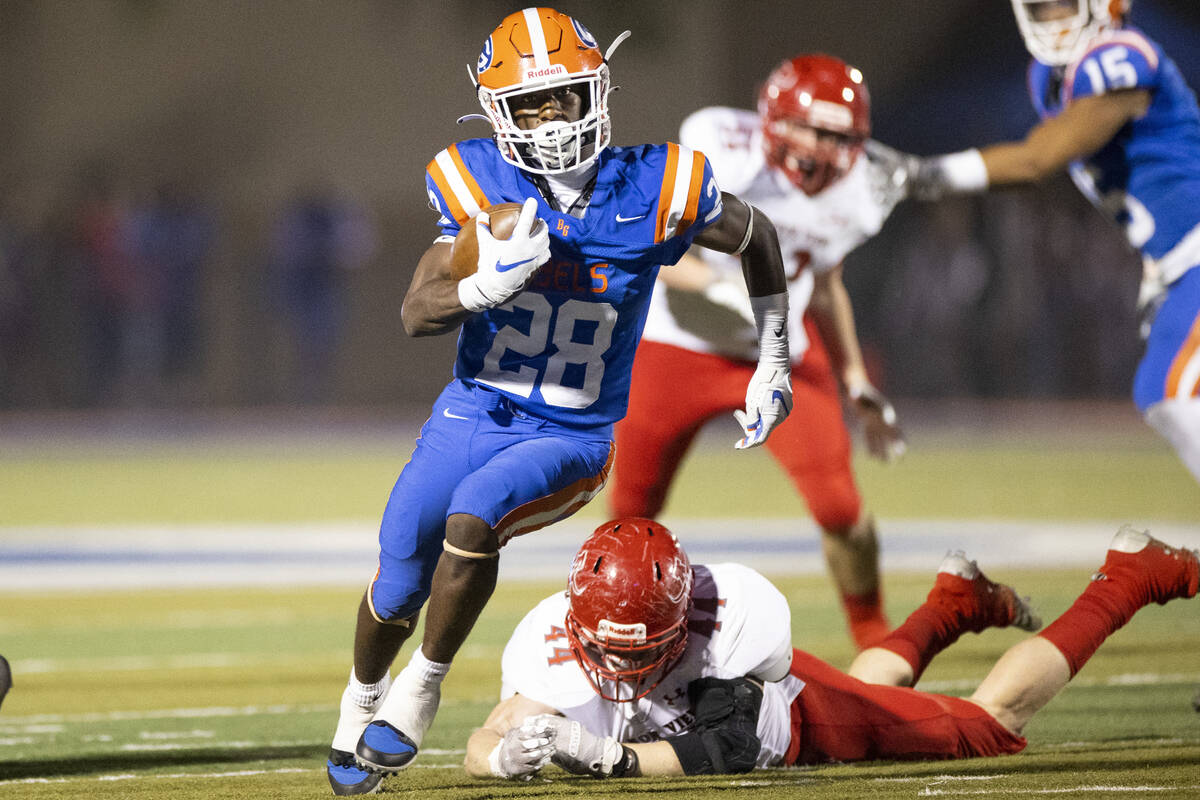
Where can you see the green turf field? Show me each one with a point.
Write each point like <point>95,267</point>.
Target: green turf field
<point>232,692</point>
<point>195,694</point>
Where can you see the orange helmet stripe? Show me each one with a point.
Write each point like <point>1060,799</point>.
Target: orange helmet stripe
<point>664,194</point>
<point>457,185</point>
<point>1183,381</point>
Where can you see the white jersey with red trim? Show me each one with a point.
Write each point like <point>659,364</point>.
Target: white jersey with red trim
<point>815,234</point>
<point>739,626</point>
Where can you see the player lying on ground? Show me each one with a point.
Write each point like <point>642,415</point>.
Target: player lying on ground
<point>648,665</point>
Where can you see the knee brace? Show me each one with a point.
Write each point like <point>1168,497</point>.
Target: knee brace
<point>473,540</point>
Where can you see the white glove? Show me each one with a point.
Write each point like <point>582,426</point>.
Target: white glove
<point>933,177</point>
<point>768,402</point>
<point>523,751</point>
<point>885,440</point>
<point>578,750</point>
<point>769,395</point>
<point>505,265</point>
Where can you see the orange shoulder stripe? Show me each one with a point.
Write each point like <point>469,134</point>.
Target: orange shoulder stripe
<point>664,195</point>
<point>694,189</point>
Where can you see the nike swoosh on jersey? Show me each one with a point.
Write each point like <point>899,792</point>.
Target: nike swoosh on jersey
<point>630,219</point>
<point>450,415</point>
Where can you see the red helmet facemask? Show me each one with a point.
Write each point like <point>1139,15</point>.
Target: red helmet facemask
<point>629,593</point>
<point>816,114</point>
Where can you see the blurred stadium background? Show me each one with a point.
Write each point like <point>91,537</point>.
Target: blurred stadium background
<point>219,204</point>
<point>209,213</point>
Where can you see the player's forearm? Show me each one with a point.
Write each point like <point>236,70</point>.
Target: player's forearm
<point>762,264</point>
<point>432,309</point>
<point>833,314</point>
<point>479,746</point>
<point>656,758</point>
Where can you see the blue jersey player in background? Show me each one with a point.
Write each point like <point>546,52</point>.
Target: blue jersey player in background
<point>1115,111</point>
<point>522,435</point>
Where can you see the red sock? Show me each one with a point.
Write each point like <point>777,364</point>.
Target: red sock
<point>868,623</point>
<point>928,631</point>
<point>1103,607</point>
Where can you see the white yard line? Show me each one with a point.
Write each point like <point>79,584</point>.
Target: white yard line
<point>1084,789</point>
<point>345,553</point>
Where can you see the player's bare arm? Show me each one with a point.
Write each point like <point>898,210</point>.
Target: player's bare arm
<point>744,229</point>
<point>506,716</point>
<point>431,305</point>
<point>834,315</point>
<point>1084,126</point>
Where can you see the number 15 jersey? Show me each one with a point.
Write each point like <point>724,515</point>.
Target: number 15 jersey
<point>563,348</point>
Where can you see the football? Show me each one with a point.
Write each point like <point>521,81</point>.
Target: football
<point>464,253</point>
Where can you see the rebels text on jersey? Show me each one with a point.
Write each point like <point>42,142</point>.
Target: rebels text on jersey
<point>1148,177</point>
<point>563,348</point>
<point>739,626</point>
<point>815,234</point>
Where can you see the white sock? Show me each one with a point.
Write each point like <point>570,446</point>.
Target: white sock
<point>368,695</point>
<point>424,670</point>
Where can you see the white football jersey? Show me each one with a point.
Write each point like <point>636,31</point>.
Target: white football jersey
<point>739,626</point>
<point>814,232</point>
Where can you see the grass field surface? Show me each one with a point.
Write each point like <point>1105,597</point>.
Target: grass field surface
<point>231,691</point>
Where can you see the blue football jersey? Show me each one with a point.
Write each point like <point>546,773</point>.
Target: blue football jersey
<point>563,348</point>
<point>1148,176</point>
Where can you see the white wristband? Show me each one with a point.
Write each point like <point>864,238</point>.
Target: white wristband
<point>494,761</point>
<point>770,317</point>
<point>470,297</point>
<point>964,171</point>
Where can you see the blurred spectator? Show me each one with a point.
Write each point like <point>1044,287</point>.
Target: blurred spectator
<point>122,301</point>
<point>318,239</point>
<point>174,233</point>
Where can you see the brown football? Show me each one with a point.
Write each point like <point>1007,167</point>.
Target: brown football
<point>464,253</point>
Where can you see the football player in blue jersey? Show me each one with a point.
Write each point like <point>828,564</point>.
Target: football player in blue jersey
<point>1117,113</point>
<point>522,436</point>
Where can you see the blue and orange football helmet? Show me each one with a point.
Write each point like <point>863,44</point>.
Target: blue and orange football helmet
<point>538,50</point>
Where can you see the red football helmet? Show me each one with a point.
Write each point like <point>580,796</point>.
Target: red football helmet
<point>816,114</point>
<point>629,593</point>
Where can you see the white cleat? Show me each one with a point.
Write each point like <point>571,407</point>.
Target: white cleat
<point>391,741</point>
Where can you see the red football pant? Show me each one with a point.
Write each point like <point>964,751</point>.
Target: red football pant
<point>840,718</point>
<point>676,391</point>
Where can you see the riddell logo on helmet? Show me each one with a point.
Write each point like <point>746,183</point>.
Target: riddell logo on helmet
<point>551,71</point>
<point>608,630</point>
